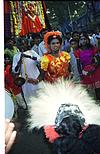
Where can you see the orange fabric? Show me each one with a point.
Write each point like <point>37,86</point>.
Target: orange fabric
<point>50,133</point>
<point>57,68</point>
<point>50,57</point>
<point>30,26</point>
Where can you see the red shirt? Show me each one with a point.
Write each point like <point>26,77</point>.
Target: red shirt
<point>9,81</point>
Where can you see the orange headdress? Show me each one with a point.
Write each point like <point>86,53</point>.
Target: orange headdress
<point>48,34</point>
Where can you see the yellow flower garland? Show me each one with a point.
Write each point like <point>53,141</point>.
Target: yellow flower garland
<point>45,60</point>
<point>16,14</point>
<point>66,56</point>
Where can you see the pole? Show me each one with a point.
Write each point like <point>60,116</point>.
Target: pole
<point>24,99</point>
<point>70,16</point>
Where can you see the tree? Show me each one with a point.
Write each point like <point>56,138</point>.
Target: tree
<point>59,11</point>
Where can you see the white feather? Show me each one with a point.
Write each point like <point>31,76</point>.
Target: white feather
<point>44,107</point>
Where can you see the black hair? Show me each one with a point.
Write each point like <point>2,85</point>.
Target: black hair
<point>71,143</point>
<point>22,43</point>
<point>20,40</point>
<point>57,37</point>
<point>67,33</point>
<point>35,35</point>
<point>7,56</point>
<point>74,40</point>
<point>75,32</point>
<point>43,30</point>
<point>10,61</point>
<point>89,45</point>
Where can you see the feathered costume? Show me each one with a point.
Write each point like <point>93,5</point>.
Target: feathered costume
<point>63,120</point>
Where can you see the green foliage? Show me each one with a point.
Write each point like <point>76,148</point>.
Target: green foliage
<point>61,10</point>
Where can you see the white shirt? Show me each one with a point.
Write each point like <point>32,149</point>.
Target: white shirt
<point>29,67</point>
<point>35,48</point>
<point>42,50</point>
<point>93,40</point>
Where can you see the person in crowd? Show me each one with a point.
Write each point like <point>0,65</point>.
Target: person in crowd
<point>9,77</point>
<point>60,124</point>
<point>10,48</point>
<point>76,35</point>
<point>54,64</point>
<point>25,63</point>
<point>66,42</point>
<point>42,49</point>
<point>10,86</point>
<point>93,39</point>
<point>30,39</point>
<point>98,40</point>
<point>98,35</point>
<point>10,135</point>
<point>35,43</point>
<point>74,45</point>
<point>7,61</point>
<point>88,67</point>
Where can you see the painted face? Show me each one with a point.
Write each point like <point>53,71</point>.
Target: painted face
<point>55,45</point>
<point>83,40</point>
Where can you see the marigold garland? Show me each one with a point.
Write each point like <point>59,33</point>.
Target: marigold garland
<point>33,10</point>
<point>46,59</point>
<point>44,62</point>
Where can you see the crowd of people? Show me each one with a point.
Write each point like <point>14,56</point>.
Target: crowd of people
<point>33,66</point>
<point>49,56</point>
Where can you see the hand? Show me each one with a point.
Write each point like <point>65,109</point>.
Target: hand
<point>84,72</point>
<point>71,75</point>
<point>10,135</point>
<point>33,81</point>
<point>90,72</point>
<point>18,66</point>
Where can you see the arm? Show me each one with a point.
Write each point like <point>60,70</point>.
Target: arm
<point>79,66</point>
<point>76,54</point>
<point>16,63</point>
<point>10,135</point>
<point>36,55</point>
<point>42,72</point>
<point>40,50</point>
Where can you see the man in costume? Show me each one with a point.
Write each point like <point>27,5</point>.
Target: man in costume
<point>25,63</point>
<point>62,119</point>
